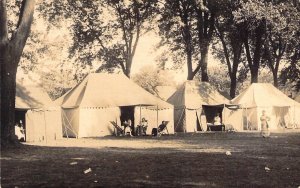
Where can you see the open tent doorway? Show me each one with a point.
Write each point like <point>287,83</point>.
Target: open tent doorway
<point>127,112</point>
<point>211,111</point>
<point>20,120</point>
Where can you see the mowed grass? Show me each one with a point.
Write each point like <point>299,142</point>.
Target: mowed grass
<point>190,160</point>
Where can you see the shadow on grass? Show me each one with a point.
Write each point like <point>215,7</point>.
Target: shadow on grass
<point>40,166</point>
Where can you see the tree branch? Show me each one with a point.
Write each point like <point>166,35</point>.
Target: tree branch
<point>24,24</point>
<point>226,53</point>
<point>137,32</point>
<point>3,22</point>
<point>247,48</point>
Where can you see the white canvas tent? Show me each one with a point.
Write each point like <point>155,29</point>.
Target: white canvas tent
<point>100,98</point>
<point>282,110</point>
<point>193,97</point>
<point>35,108</point>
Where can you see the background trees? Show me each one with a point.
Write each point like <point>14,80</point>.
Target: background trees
<point>108,31</point>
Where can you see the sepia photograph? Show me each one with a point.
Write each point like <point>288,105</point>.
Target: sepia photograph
<point>150,93</point>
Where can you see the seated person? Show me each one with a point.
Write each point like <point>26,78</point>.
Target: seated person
<point>142,128</point>
<point>19,132</point>
<point>162,126</point>
<point>127,127</point>
<point>217,120</point>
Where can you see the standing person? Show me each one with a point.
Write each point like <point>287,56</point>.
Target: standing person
<point>144,126</point>
<point>264,124</point>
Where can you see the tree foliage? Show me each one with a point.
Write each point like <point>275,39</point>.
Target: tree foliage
<point>108,31</point>
<point>150,77</point>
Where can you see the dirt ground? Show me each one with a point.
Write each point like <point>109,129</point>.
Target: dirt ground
<point>187,160</point>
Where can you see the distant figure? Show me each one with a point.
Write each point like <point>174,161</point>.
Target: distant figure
<point>217,119</point>
<point>144,122</point>
<point>264,124</point>
<point>142,128</point>
<point>127,127</point>
<point>19,131</point>
<point>162,126</point>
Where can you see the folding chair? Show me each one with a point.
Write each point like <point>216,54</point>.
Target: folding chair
<point>162,128</point>
<point>117,129</point>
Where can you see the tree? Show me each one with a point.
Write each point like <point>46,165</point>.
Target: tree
<point>229,35</point>
<point>177,27</point>
<point>206,13</point>
<point>11,48</point>
<point>149,78</point>
<point>281,35</point>
<point>251,17</point>
<point>105,30</point>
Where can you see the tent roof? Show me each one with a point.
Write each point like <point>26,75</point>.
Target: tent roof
<point>109,90</point>
<point>263,95</point>
<point>194,94</point>
<point>30,95</point>
<point>297,98</point>
<point>164,92</point>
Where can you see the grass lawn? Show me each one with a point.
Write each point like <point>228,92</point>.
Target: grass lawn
<point>191,160</point>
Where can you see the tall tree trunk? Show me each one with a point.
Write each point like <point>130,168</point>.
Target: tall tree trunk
<point>189,65</point>
<point>257,53</point>
<point>275,78</point>
<point>233,77</point>
<point>204,62</point>
<point>232,86</point>
<point>8,92</point>
<point>10,54</point>
<point>128,67</point>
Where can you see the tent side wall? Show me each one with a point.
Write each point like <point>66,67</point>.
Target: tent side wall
<point>179,119</point>
<point>152,114</point>
<point>43,125</point>
<point>96,121</point>
<point>250,121</point>
<point>191,120</point>
<point>233,119</point>
<point>53,124</point>
<point>70,121</point>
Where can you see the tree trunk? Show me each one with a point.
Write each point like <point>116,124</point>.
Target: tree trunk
<point>232,86</point>
<point>189,65</point>
<point>10,54</point>
<point>8,93</point>
<point>235,65</point>
<point>204,62</point>
<point>275,72</point>
<point>257,53</point>
<point>275,78</point>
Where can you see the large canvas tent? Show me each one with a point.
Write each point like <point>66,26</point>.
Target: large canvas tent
<point>282,110</point>
<point>39,115</point>
<point>89,108</point>
<point>194,98</point>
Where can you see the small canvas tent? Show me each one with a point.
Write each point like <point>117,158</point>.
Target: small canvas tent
<point>194,98</point>
<point>282,110</point>
<point>88,108</point>
<point>37,112</point>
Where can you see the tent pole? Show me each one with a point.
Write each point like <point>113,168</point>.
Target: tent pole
<point>140,124</point>
<point>157,120</point>
<point>247,118</point>
<point>45,126</point>
<point>140,114</point>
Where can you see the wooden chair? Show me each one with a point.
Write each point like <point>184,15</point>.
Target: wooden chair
<point>117,129</point>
